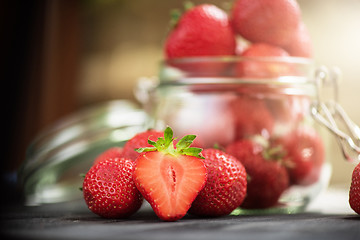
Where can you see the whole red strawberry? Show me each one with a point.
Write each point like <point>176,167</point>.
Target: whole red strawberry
<point>270,21</point>
<point>251,117</point>
<point>170,178</point>
<point>305,155</point>
<point>225,188</point>
<point>109,190</point>
<point>289,109</point>
<point>138,141</point>
<point>267,177</point>
<point>203,30</point>
<point>354,193</point>
<point>113,152</point>
<point>257,62</point>
<point>300,44</point>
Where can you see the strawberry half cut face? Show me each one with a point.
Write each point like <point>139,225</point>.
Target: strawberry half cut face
<point>170,178</point>
<point>170,183</point>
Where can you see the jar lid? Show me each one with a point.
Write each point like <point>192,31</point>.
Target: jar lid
<point>58,156</point>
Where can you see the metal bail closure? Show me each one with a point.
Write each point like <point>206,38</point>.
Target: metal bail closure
<point>330,114</point>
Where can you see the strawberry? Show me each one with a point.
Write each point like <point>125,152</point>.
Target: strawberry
<point>113,152</point>
<point>109,190</point>
<point>269,21</point>
<point>267,177</point>
<point>354,193</point>
<point>288,109</point>
<point>251,117</point>
<point>263,67</point>
<point>203,30</point>
<point>225,188</point>
<point>305,155</point>
<point>140,140</point>
<point>300,44</point>
<point>170,178</point>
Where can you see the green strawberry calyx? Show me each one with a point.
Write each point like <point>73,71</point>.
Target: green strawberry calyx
<point>177,13</point>
<point>166,145</point>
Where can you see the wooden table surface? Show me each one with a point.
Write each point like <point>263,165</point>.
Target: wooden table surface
<point>329,217</point>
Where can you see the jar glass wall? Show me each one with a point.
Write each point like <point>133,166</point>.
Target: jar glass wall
<point>62,152</point>
<point>226,100</point>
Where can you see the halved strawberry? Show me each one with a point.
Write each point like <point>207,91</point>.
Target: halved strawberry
<point>170,178</point>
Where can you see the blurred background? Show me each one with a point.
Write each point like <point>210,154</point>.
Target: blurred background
<point>59,56</point>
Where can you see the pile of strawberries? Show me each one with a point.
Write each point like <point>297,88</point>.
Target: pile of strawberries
<point>260,28</point>
<point>177,179</point>
<point>172,176</point>
<point>253,165</point>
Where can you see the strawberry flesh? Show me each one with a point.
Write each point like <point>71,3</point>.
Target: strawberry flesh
<point>169,179</point>
<point>168,183</point>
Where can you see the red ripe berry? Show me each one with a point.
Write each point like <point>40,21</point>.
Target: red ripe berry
<point>138,141</point>
<point>109,190</point>
<point>270,21</point>
<point>354,193</point>
<point>203,30</point>
<point>262,60</point>
<point>300,44</point>
<point>305,155</point>
<point>113,152</point>
<point>288,109</point>
<point>225,188</point>
<point>170,178</point>
<point>267,178</point>
<point>251,117</point>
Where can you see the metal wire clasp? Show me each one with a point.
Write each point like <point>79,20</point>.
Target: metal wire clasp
<point>330,114</point>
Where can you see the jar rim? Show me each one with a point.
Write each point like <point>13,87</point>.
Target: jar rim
<point>234,58</point>
<point>205,70</point>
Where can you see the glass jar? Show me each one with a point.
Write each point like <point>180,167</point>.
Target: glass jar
<point>225,100</point>
<point>59,154</point>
